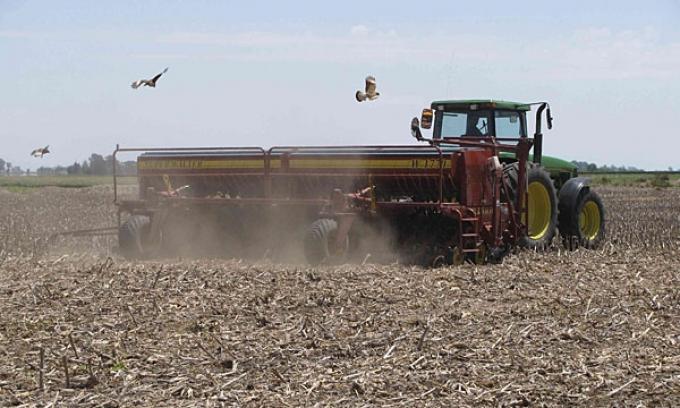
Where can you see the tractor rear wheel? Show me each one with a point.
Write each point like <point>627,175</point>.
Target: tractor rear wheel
<point>320,243</point>
<point>132,236</point>
<point>542,205</point>
<point>586,226</point>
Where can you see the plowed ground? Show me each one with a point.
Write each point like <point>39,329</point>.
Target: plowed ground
<point>588,328</point>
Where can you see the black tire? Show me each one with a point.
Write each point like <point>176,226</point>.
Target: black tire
<point>546,227</point>
<point>317,243</point>
<point>585,224</point>
<point>132,236</point>
<point>511,173</point>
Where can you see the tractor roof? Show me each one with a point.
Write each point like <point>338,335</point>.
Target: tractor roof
<point>481,104</point>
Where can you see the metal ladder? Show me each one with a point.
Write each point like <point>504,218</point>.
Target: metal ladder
<point>468,224</point>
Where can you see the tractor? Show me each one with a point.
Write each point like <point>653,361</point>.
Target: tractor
<point>473,191</point>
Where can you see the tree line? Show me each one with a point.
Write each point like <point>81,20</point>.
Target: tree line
<point>96,165</point>
<point>592,167</point>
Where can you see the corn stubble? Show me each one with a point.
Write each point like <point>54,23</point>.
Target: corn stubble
<point>83,327</point>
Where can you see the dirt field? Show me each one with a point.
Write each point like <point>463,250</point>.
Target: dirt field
<point>587,328</point>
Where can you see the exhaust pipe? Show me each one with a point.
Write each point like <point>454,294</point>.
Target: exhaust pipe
<point>538,135</point>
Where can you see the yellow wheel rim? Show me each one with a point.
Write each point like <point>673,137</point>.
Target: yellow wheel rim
<point>540,210</point>
<point>589,220</point>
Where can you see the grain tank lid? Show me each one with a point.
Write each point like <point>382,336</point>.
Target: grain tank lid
<point>472,104</point>
<point>197,153</point>
<point>405,150</point>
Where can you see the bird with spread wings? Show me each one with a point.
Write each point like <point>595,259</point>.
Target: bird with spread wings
<point>41,151</point>
<point>370,91</point>
<point>148,82</point>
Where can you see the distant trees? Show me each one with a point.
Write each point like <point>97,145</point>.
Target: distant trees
<point>7,168</point>
<point>96,165</point>
<point>592,167</point>
<point>12,170</point>
<point>75,168</point>
<point>51,171</point>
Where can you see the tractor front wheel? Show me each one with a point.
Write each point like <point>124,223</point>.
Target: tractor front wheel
<point>586,225</point>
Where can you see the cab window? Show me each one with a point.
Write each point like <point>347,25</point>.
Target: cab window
<point>460,124</point>
<point>508,124</point>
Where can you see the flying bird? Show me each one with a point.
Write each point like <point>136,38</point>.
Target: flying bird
<point>41,151</point>
<point>148,82</point>
<point>370,92</point>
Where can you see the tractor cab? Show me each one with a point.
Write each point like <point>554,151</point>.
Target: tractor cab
<point>482,118</point>
<point>499,119</point>
<point>477,118</point>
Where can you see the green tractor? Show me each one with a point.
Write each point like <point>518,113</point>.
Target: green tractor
<point>558,199</point>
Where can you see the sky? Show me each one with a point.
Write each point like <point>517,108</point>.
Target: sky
<point>271,73</point>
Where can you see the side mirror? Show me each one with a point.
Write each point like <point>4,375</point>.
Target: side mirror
<point>426,118</point>
<point>549,118</point>
<point>415,129</point>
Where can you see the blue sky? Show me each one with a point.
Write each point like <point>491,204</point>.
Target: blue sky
<point>281,73</point>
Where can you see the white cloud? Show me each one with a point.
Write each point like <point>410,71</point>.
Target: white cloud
<point>600,53</point>
<point>13,34</point>
<point>359,44</point>
<point>160,56</point>
<point>367,32</point>
<point>359,30</point>
<point>243,39</point>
